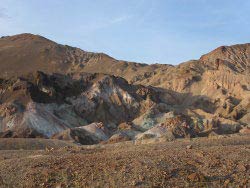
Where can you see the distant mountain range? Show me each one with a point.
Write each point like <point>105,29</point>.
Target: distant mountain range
<point>47,88</point>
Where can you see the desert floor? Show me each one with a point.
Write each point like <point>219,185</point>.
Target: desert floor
<point>219,161</point>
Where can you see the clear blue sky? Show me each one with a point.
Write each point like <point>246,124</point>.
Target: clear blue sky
<point>149,31</point>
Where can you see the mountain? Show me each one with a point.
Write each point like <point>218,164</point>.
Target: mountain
<point>52,90</point>
<point>25,53</point>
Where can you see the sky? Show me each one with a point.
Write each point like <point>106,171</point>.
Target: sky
<point>145,31</point>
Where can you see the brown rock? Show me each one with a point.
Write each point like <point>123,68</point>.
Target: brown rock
<point>226,182</point>
<point>245,130</point>
<point>196,177</point>
<point>241,168</point>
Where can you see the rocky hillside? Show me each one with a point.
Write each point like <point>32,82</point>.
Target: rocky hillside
<point>25,53</point>
<point>52,90</point>
<point>52,103</point>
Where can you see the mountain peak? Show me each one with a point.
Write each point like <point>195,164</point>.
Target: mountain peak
<point>235,57</point>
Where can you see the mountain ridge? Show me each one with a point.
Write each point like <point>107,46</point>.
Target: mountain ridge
<point>47,88</point>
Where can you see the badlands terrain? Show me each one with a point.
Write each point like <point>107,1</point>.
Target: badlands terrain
<point>72,118</point>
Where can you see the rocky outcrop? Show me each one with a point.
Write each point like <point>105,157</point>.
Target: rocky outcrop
<point>85,135</point>
<point>52,103</point>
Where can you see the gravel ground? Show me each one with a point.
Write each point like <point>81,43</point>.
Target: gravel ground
<point>222,161</point>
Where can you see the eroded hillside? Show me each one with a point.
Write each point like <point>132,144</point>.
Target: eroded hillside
<point>52,90</point>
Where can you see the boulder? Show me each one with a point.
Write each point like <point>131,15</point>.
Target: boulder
<point>93,133</point>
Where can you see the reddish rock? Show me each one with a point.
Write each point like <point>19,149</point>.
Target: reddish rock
<point>245,130</point>
<point>196,177</point>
